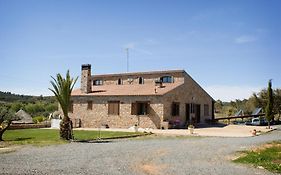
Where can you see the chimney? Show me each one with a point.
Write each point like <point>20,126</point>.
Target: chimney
<point>86,79</point>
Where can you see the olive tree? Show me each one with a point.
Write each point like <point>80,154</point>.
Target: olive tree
<point>6,118</point>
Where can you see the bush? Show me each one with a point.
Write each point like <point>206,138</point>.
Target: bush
<point>38,119</point>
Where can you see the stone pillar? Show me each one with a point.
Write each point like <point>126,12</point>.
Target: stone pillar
<point>86,79</point>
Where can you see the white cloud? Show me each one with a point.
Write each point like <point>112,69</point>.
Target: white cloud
<point>228,93</point>
<point>245,39</point>
<point>150,41</point>
<point>130,45</point>
<point>142,51</point>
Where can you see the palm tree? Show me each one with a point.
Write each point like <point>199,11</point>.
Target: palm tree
<point>62,88</point>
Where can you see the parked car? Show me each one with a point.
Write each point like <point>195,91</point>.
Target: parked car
<point>257,122</point>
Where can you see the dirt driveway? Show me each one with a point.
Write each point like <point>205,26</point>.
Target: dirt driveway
<point>143,156</point>
<point>219,131</point>
<point>226,131</point>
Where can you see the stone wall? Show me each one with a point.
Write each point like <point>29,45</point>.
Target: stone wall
<point>86,83</point>
<point>189,92</point>
<point>99,116</point>
<point>129,79</point>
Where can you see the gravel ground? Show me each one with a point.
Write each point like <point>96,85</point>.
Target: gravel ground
<point>194,155</point>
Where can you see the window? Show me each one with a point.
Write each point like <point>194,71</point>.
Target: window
<point>70,107</point>
<point>113,107</point>
<point>90,105</point>
<point>141,80</point>
<point>97,82</point>
<point>119,81</point>
<point>140,108</point>
<point>166,79</point>
<point>175,109</point>
<point>206,110</point>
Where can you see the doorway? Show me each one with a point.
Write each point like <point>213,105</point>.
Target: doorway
<point>197,113</point>
<point>187,113</point>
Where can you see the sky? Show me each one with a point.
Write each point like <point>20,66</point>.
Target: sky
<point>231,48</point>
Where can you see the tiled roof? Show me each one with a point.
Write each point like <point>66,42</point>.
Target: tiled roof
<point>139,73</point>
<point>127,90</point>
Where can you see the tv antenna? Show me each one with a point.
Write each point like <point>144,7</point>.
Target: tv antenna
<point>127,52</point>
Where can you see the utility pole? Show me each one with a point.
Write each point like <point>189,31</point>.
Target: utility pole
<point>127,51</point>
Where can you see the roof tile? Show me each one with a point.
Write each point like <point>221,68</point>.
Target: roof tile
<point>128,90</point>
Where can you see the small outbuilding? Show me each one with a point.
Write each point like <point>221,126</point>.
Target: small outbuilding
<point>24,118</point>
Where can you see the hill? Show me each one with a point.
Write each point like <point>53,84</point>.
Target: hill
<point>8,97</point>
<point>33,105</point>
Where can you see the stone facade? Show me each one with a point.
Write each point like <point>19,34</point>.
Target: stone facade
<point>189,93</point>
<point>133,78</point>
<point>92,109</point>
<point>86,80</point>
<point>98,116</point>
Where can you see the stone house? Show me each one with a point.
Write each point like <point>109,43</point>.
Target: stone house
<point>156,99</point>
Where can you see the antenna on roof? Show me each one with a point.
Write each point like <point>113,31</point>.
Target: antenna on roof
<point>127,51</point>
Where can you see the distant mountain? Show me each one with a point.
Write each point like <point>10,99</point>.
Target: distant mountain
<point>10,97</point>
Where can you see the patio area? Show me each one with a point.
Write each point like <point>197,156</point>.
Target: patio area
<point>217,131</point>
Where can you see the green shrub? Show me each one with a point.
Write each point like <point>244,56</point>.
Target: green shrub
<point>38,119</point>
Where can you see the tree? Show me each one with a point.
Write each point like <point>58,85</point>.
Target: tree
<point>277,102</point>
<point>62,88</point>
<point>6,118</point>
<point>269,106</point>
<point>250,105</point>
<point>218,106</point>
<point>261,99</point>
<point>16,106</point>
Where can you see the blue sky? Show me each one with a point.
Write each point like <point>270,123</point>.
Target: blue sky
<point>231,48</point>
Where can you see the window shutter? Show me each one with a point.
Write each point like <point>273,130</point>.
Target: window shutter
<point>113,107</point>
<point>134,109</point>
<point>116,108</point>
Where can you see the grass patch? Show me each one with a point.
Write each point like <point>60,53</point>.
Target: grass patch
<point>39,137</point>
<point>42,137</point>
<point>92,135</point>
<point>267,156</point>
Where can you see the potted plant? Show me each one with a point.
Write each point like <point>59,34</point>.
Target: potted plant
<point>136,127</point>
<point>191,129</point>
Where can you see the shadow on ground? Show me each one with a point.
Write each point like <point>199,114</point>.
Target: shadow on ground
<point>23,138</point>
<point>92,141</point>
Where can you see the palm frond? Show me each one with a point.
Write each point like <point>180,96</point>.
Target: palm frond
<point>62,88</point>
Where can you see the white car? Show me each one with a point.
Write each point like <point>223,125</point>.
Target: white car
<point>258,121</point>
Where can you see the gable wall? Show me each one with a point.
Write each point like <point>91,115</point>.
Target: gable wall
<point>183,94</point>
